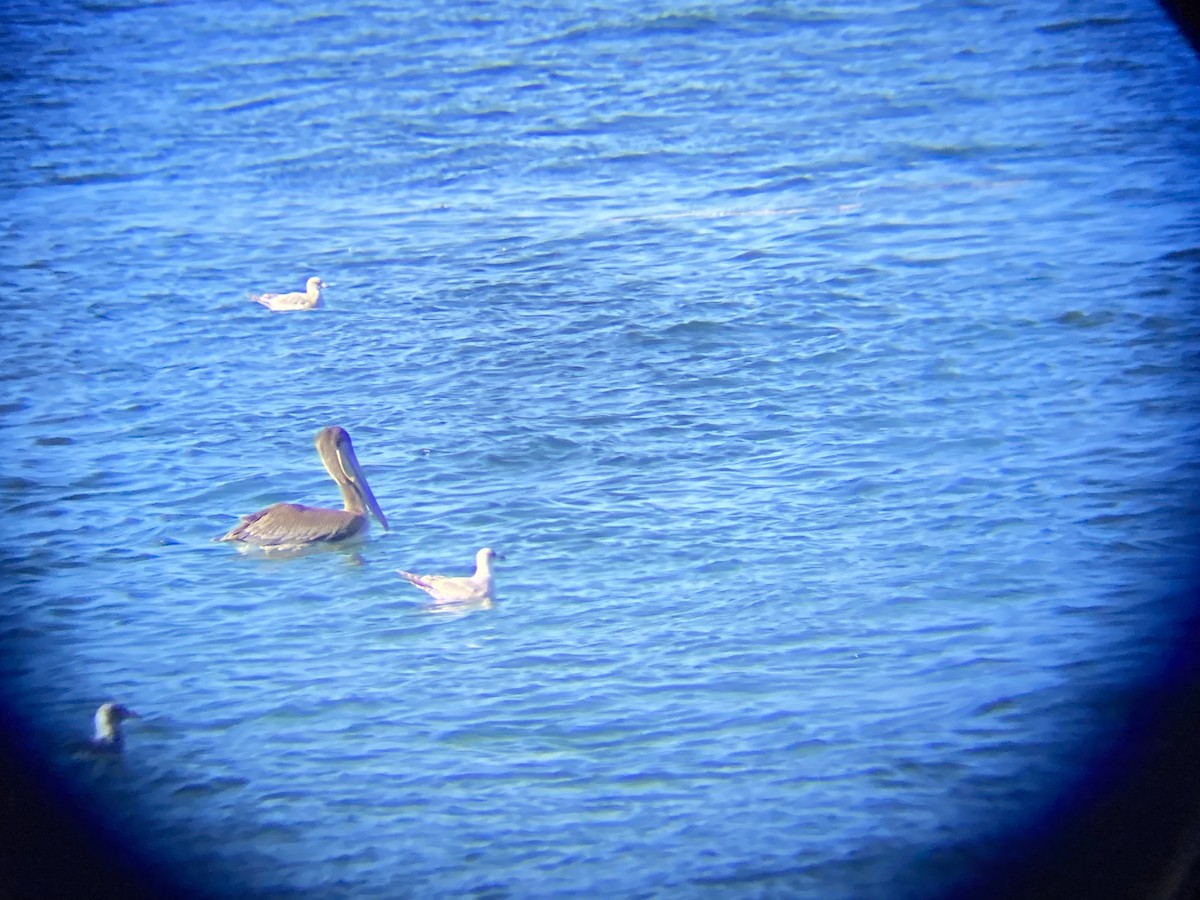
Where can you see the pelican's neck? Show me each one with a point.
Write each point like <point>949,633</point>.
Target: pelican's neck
<point>314,292</point>
<point>352,500</point>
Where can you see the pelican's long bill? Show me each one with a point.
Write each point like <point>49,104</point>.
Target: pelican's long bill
<point>291,526</point>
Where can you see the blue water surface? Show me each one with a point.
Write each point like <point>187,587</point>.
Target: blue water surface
<point>825,374</point>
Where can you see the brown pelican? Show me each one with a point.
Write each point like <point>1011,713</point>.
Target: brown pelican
<point>310,299</point>
<point>290,526</point>
<point>108,737</point>
<point>478,588</point>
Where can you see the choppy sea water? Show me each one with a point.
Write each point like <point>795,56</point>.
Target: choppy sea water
<point>826,376</point>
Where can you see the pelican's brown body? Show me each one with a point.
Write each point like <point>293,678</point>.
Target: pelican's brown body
<point>290,526</point>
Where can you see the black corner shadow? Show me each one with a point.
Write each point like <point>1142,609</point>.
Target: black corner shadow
<point>1129,827</point>
<point>53,845</point>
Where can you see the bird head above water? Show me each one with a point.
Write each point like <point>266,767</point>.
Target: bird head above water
<point>108,724</point>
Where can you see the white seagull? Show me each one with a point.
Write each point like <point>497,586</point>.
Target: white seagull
<point>478,588</point>
<point>309,299</point>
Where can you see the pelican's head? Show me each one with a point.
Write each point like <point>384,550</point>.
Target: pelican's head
<point>314,285</point>
<point>337,453</point>
<point>483,559</point>
<point>109,718</point>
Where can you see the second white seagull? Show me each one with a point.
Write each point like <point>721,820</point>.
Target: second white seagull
<point>477,588</point>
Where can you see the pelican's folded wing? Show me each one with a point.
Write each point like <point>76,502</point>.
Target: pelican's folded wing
<point>287,524</point>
